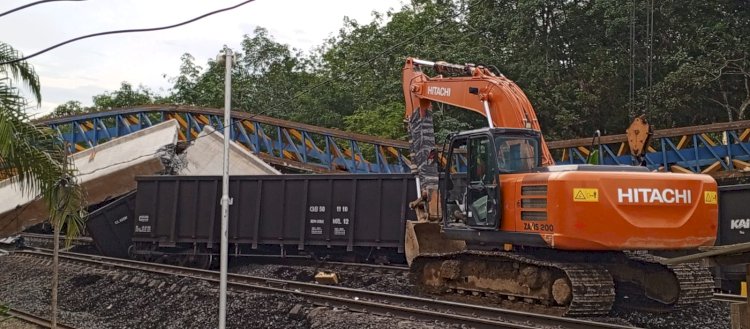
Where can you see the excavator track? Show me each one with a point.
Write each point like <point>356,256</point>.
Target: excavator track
<point>693,280</point>
<point>516,280</point>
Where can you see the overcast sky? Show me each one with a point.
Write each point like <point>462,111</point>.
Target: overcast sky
<point>85,68</point>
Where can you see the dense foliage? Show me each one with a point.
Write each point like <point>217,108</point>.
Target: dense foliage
<point>572,58</point>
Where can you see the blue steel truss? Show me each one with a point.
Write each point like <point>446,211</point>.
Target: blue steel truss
<point>283,143</point>
<point>713,148</point>
<point>709,149</point>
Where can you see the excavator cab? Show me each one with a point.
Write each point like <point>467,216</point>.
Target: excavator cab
<point>476,158</point>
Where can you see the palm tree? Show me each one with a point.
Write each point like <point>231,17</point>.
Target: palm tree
<point>34,157</point>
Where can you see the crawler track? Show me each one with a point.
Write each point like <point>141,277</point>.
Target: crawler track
<point>591,288</point>
<point>695,284</point>
<point>408,307</point>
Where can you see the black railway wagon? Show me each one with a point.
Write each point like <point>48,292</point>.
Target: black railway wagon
<point>111,226</point>
<point>285,213</point>
<point>734,227</point>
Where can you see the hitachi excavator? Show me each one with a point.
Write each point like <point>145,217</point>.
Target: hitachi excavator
<point>500,222</point>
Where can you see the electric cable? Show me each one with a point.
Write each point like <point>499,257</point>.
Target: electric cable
<point>631,95</point>
<point>220,128</point>
<point>30,5</point>
<point>125,31</point>
<point>650,65</point>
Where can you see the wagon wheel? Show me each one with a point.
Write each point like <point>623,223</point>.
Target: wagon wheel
<point>201,259</point>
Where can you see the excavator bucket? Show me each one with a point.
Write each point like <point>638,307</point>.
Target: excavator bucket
<point>425,238</point>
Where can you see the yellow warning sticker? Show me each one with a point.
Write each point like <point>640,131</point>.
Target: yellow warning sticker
<point>586,194</point>
<point>709,197</point>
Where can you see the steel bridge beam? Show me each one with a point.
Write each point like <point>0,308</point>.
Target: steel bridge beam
<point>708,149</point>
<point>713,148</point>
<point>284,143</point>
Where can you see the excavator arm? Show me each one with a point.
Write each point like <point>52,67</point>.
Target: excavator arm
<point>478,89</point>
<point>469,87</point>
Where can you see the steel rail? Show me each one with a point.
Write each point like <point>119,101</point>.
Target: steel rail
<point>730,298</point>
<point>408,307</point>
<point>35,319</point>
<point>309,261</point>
<point>40,236</point>
<point>365,266</point>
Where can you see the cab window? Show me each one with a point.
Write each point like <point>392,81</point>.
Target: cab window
<point>516,153</point>
<point>481,160</point>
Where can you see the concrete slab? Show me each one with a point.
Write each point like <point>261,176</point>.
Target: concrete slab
<point>105,171</point>
<point>205,157</point>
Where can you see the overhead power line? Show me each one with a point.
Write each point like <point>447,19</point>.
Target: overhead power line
<point>126,31</point>
<point>31,5</point>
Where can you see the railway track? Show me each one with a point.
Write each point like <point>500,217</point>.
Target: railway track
<point>47,239</point>
<point>50,237</point>
<point>729,298</point>
<point>34,319</point>
<point>329,265</point>
<point>407,307</point>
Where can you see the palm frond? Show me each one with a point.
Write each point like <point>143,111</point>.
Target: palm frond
<point>31,151</point>
<point>32,155</point>
<point>65,202</point>
<point>20,71</point>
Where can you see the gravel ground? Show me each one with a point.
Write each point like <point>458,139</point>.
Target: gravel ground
<point>370,280</point>
<point>122,299</point>
<point>709,315</point>
<point>322,317</point>
<point>10,323</point>
<point>106,301</point>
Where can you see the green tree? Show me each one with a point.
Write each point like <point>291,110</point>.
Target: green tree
<point>572,58</point>
<point>126,96</point>
<point>34,158</point>
<point>68,108</point>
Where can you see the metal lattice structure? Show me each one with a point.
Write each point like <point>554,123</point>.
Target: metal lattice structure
<point>283,143</point>
<point>707,149</point>
<point>714,148</point>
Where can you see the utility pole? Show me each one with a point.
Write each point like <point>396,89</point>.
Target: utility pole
<point>227,57</point>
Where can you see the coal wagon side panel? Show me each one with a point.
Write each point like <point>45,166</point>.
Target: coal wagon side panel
<point>295,200</point>
<point>244,212</point>
<point>111,226</point>
<point>734,214</point>
<point>734,227</point>
<point>292,211</point>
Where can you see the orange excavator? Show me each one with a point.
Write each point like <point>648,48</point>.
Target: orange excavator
<point>501,223</point>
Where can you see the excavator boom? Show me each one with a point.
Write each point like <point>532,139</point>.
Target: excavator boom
<point>478,89</point>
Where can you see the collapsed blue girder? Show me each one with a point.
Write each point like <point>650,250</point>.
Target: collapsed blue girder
<point>283,143</point>
<point>713,148</point>
<point>699,149</point>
